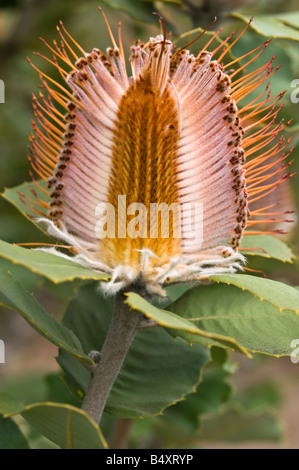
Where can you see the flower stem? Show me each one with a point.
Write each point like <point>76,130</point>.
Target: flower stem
<point>120,434</point>
<point>124,325</point>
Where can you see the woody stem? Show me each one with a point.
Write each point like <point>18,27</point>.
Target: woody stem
<point>124,325</point>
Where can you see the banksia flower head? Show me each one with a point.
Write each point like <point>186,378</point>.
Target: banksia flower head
<point>151,174</point>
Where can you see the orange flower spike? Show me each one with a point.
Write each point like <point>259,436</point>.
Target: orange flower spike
<point>172,139</point>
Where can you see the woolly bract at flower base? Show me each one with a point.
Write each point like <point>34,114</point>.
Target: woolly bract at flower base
<point>175,131</point>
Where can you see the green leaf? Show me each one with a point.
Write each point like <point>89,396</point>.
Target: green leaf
<point>251,415</point>
<point>27,388</point>
<point>181,326</point>
<point>10,435</point>
<point>53,267</point>
<point>8,406</point>
<point>227,310</point>
<point>15,196</point>
<point>36,387</point>
<point>211,394</point>
<point>276,293</point>
<point>220,356</point>
<point>63,291</point>
<point>157,371</point>
<point>57,391</point>
<point>14,296</point>
<point>260,397</point>
<point>280,25</point>
<point>227,422</point>
<point>266,246</point>
<point>29,280</point>
<point>65,425</point>
<point>174,292</point>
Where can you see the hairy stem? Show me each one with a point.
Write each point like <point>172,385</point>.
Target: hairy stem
<point>124,325</point>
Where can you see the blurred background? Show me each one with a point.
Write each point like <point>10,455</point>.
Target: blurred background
<point>22,22</point>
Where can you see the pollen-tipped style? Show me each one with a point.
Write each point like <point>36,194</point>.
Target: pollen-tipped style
<point>172,132</point>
